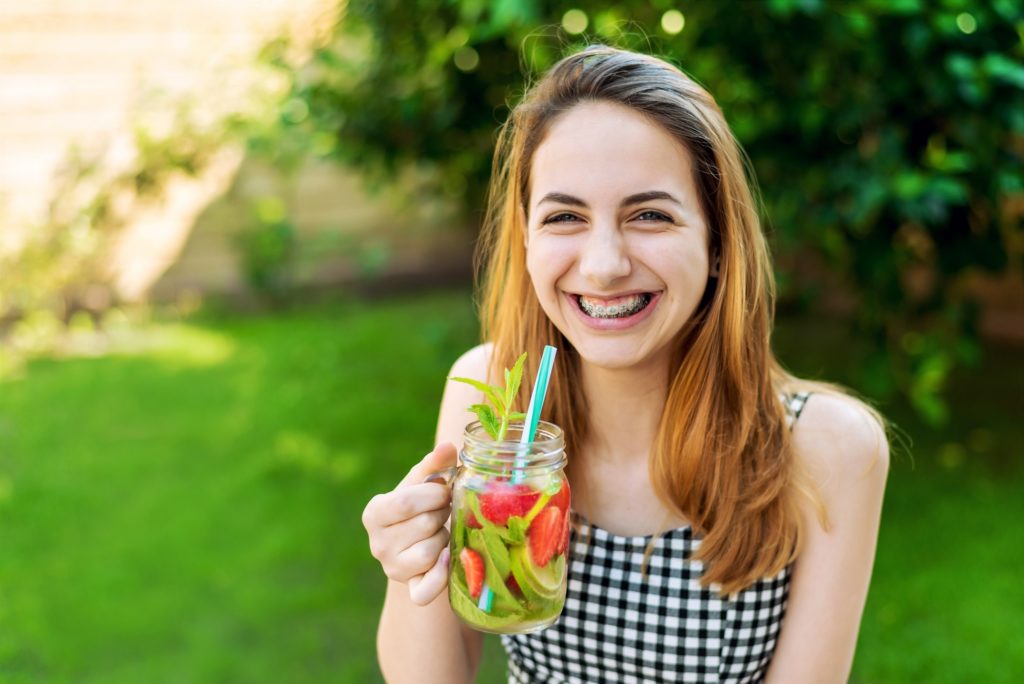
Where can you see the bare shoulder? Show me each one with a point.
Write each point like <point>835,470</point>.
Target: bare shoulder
<point>458,397</point>
<point>474,363</point>
<point>841,441</point>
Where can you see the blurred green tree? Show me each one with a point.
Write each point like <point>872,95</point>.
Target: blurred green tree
<point>886,135</point>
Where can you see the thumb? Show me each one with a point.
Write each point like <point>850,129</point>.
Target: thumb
<point>443,456</point>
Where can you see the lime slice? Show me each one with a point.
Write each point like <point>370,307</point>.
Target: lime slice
<point>541,583</point>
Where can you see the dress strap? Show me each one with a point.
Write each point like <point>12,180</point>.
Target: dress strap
<point>794,404</point>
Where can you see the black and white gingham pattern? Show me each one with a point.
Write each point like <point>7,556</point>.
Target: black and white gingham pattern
<point>795,406</point>
<point>620,627</point>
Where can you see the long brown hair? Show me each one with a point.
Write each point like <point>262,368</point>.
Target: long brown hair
<point>722,456</point>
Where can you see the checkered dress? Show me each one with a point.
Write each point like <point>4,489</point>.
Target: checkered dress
<point>618,627</point>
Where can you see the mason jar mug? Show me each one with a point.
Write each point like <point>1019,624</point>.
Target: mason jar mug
<point>510,530</point>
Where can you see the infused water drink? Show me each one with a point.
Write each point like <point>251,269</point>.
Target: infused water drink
<point>510,531</point>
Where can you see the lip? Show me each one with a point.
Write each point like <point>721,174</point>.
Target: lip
<point>613,324</point>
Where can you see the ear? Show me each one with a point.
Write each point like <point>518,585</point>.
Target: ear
<point>715,262</point>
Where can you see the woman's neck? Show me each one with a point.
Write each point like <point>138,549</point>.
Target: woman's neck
<point>624,407</point>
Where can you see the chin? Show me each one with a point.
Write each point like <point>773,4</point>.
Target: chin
<point>620,355</point>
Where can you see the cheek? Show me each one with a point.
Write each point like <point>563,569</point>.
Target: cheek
<point>682,265</point>
<point>547,261</point>
<point>533,270</point>
<point>543,285</point>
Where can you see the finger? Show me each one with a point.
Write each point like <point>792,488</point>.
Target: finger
<point>416,529</point>
<point>421,556</point>
<point>443,456</point>
<point>426,588</point>
<point>403,504</point>
<point>396,507</point>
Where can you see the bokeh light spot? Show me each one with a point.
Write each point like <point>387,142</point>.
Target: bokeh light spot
<point>966,23</point>
<point>295,110</point>
<point>466,58</point>
<point>458,37</point>
<point>575,21</point>
<point>952,455</point>
<point>672,22</point>
<point>270,209</point>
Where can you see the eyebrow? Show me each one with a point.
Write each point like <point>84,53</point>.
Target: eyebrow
<point>637,198</point>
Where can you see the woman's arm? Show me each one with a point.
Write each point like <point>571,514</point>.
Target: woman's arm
<point>427,643</point>
<point>847,455</point>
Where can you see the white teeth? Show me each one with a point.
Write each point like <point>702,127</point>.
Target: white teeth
<point>625,307</point>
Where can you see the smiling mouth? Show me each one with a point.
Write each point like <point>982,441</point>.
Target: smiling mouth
<point>620,307</point>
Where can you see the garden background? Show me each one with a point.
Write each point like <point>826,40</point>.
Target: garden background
<point>235,267</point>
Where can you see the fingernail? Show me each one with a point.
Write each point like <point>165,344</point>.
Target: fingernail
<point>446,556</point>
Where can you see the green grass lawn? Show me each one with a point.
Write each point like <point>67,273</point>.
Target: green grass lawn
<point>186,509</point>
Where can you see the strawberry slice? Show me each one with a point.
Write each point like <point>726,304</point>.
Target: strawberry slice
<point>503,500</point>
<point>473,566</point>
<point>563,543</point>
<point>471,521</point>
<point>545,535</point>
<point>513,586</point>
<point>561,497</point>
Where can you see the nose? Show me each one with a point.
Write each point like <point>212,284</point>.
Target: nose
<point>605,258</point>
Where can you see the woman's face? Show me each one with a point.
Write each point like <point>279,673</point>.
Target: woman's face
<point>617,246</point>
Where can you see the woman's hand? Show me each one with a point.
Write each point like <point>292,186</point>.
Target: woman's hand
<point>407,528</point>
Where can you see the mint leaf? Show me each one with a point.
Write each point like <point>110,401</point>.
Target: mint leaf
<point>459,530</point>
<point>487,418</point>
<point>517,527</point>
<point>493,394</point>
<point>496,417</point>
<point>496,561</point>
<point>474,505</point>
<point>512,380</point>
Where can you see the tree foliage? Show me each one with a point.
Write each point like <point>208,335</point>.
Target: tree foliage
<point>886,136</point>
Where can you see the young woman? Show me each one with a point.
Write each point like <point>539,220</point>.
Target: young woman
<point>725,512</point>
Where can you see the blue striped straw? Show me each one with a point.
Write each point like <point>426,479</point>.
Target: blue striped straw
<point>540,390</point>
<point>486,599</point>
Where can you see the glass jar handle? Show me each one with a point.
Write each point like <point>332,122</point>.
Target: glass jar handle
<point>445,477</point>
